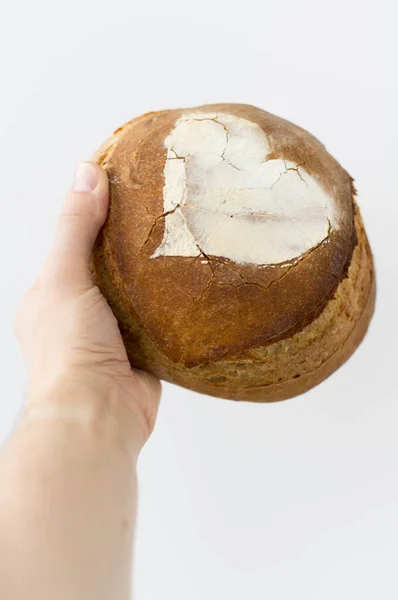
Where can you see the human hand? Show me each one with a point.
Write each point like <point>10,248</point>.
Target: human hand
<point>68,334</point>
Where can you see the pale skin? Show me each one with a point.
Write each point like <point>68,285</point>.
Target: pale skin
<point>68,488</point>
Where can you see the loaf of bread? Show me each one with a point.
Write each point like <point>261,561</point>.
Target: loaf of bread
<point>234,255</point>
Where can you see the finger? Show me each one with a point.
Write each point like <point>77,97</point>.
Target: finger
<point>150,382</point>
<point>80,221</point>
<point>151,388</point>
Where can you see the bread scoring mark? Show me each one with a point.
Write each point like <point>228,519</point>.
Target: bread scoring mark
<point>225,195</point>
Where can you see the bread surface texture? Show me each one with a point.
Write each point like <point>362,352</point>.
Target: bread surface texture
<point>234,255</point>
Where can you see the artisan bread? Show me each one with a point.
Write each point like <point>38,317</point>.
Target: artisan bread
<point>234,255</point>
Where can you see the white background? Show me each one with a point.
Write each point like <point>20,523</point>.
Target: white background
<point>294,500</point>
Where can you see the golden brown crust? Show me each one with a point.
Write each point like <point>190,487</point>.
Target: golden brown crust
<point>221,328</point>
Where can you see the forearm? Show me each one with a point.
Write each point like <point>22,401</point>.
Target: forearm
<point>67,503</point>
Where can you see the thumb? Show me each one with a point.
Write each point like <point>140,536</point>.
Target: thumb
<point>81,218</point>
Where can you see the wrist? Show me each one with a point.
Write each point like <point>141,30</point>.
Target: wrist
<point>91,403</point>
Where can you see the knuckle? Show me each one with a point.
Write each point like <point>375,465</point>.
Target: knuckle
<point>77,205</point>
<point>69,217</point>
